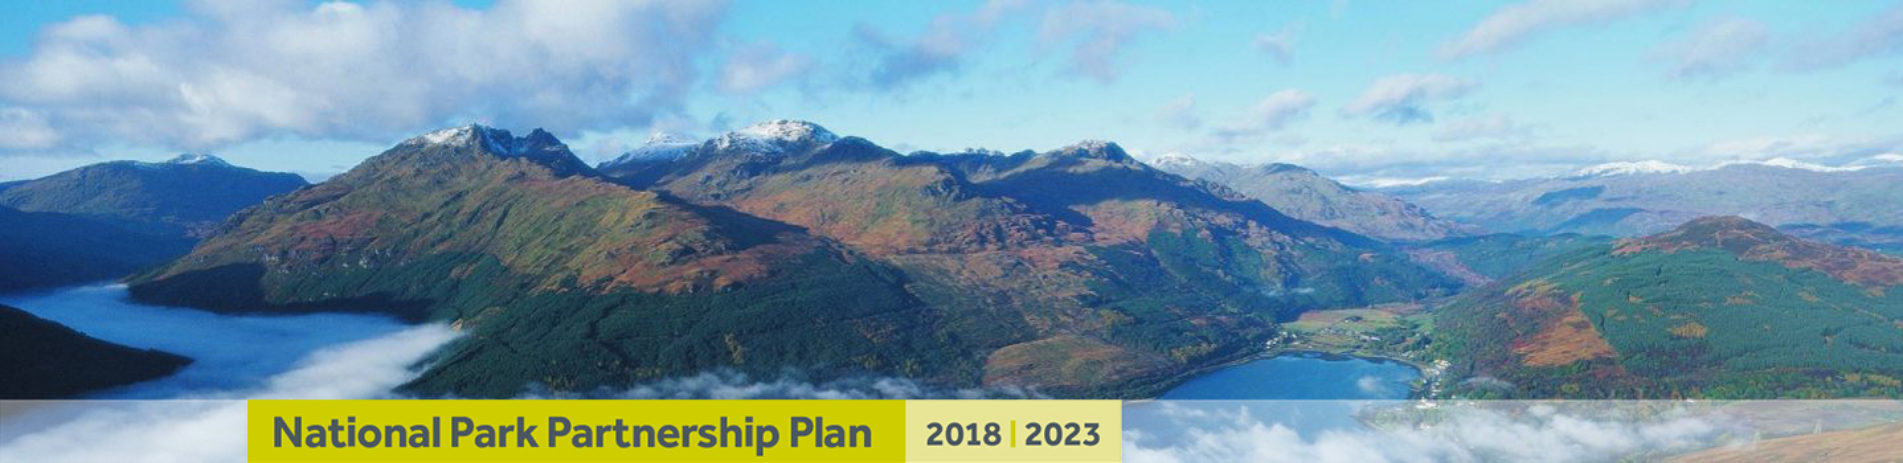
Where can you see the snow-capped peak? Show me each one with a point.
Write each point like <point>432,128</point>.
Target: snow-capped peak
<point>1096,149</point>
<point>538,144</point>
<point>197,159</point>
<point>1174,159</point>
<point>775,136</point>
<point>661,146</point>
<point>1789,163</point>
<point>452,135</point>
<point>669,138</point>
<point>789,130</point>
<point>1632,168</point>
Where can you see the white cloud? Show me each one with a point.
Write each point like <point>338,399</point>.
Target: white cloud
<point>1507,432</point>
<point>1180,113</point>
<point>1279,46</point>
<point>1100,30</point>
<point>1272,114</point>
<point>1717,48</point>
<point>1490,126</point>
<point>1879,35</point>
<point>1280,108</point>
<point>202,430</point>
<point>237,71</point>
<point>25,130</point>
<point>1816,147</point>
<point>758,66</point>
<point>1511,24</point>
<point>1401,98</point>
<point>941,49</point>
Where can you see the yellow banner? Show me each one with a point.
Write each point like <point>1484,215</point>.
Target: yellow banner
<point>1013,430</point>
<point>682,430</point>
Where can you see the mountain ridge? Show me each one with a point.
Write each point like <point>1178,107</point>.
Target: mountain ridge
<point>1306,194</point>
<point>185,196</point>
<point>958,271</point>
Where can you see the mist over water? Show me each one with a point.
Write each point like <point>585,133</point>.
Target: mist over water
<point>235,357</point>
<point>228,352</point>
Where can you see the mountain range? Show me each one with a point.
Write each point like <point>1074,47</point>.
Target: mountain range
<point>783,248</point>
<point>108,220</point>
<point>1307,195</point>
<point>1078,271</point>
<point>1843,205</point>
<point>186,196</point>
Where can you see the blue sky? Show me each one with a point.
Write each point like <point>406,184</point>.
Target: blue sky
<point>1367,91</point>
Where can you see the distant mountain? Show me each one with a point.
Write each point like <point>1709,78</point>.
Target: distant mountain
<point>1307,195</point>
<point>186,196</point>
<point>1644,198</point>
<point>46,360</point>
<point>44,249</point>
<point>659,147</point>
<point>783,246</point>
<point>1887,239</point>
<point>1478,260</point>
<point>1719,307</point>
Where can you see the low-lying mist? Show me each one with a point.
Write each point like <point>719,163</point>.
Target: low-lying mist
<point>210,428</point>
<point>228,352</point>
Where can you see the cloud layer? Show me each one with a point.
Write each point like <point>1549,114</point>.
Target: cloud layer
<point>1881,34</point>
<point>1470,431</point>
<point>235,71</point>
<point>1512,24</point>
<point>1098,30</point>
<point>1717,48</point>
<point>201,430</point>
<point>1402,98</point>
<point>941,49</point>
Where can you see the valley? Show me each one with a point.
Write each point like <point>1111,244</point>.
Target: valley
<point>1074,272</point>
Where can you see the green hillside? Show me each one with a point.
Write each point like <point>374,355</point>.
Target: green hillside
<point>1718,308</point>
<point>767,254</point>
<point>1481,259</point>
<point>1056,259</point>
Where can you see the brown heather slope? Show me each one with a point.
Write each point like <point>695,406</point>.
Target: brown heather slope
<point>533,206</point>
<point>1080,252</point>
<point>846,189</point>
<point>1758,242</point>
<point>782,247</point>
<point>559,278</point>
